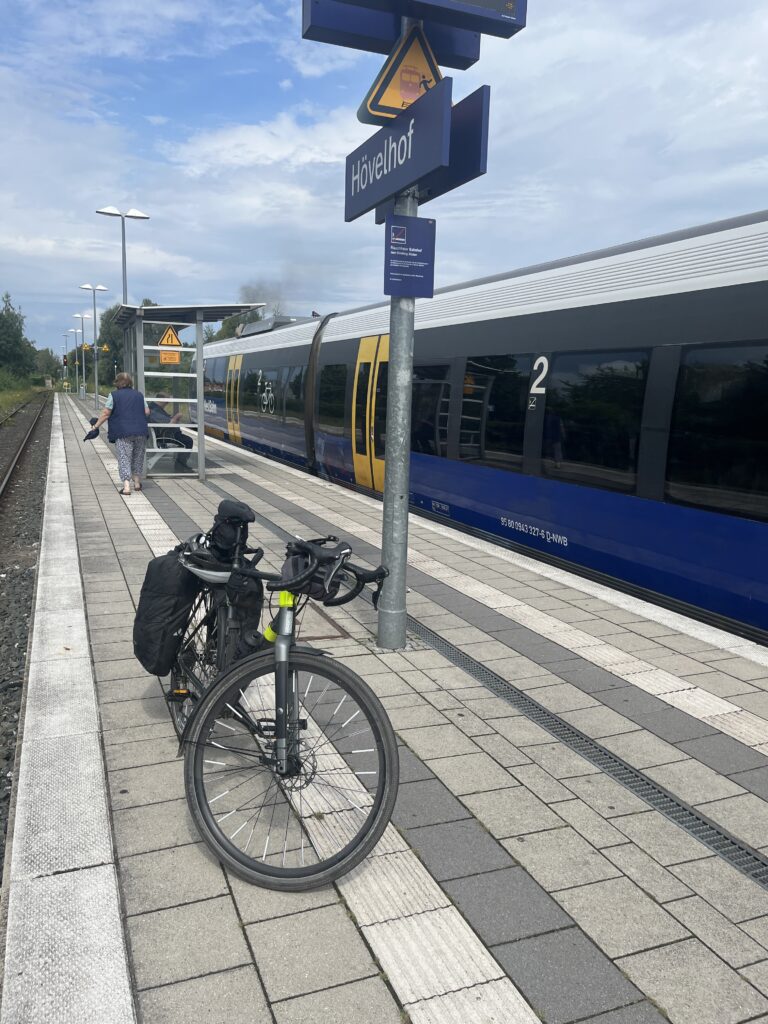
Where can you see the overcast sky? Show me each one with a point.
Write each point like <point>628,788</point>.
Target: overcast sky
<point>610,120</point>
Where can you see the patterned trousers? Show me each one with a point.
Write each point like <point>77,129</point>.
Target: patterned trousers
<point>130,456</point>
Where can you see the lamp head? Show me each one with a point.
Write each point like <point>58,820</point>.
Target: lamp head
<point>110,211</point>
<point>136,214</point>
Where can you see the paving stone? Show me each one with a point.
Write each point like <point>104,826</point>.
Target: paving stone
<point>742,669</point>
<point>159,957</point>
<point>280,950</point>
<point>758,976</point>
<point>638,1013</point>
<point>426,803</point>
<point>502,751</point>
<point>228,997</point>
<point>255,903</point>
<point>457,849</point>
<point>129,714</point>
<point>665,841</point>
<point>490,708</point>
<point>136,755</point>
<point>605,796</point>
<point>415,717</point>
<point>640,925</point>
<point>521,732</point>
<point>133,787</point>
<point>560,859</point>
<point>450,677</point>
<point>139,733</point>
<point>723,685</point>
<point>412,768</point>
<point>756,781</point>
<point>369,999</point>
<point>745,817</point>
<point>141,688</point>
<point>442,700</point>
<point>672,978</point>
<point>560,761</point>
<point>645,872</point>
<point>724,754</point>
<point>563,697</point>
<point>469,723</point>
<point>716,932</point>
<point>693,782</point>
<point>505,905</point>
<point>471,773</point>
<point>595,829</point>
<point>541,783</point>
<point>599,722</point>
<point>730,892</point>
<point>387,684</point>
<point>588,678</point>
<point>438,741</point>
<point>564,977</point>
<point>758,929</point>
<point>643,749</point>
<point>168,878</point>
<point>673,725</point>
<point>677,664</point>
<point>512,812</point>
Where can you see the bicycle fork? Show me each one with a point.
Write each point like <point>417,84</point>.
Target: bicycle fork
<point>287,723</point>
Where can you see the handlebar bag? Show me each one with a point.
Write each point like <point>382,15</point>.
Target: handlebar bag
<point>165,603</point>
<point>315,588</point>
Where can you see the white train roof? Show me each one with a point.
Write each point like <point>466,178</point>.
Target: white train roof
<point>728,252</point>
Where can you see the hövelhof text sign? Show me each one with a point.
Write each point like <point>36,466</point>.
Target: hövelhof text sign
<point>415,144</point>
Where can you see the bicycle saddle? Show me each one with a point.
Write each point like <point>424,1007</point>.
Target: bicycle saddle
<point>236,511</point>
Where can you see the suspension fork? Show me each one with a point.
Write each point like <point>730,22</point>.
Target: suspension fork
<point>286,692</point>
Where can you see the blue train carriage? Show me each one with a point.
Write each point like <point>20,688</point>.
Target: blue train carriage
<point>605,412</point>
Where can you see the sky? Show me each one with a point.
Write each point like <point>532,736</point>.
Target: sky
<point>610,121</point>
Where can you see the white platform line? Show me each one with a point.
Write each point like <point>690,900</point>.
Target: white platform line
<point>65,955</point>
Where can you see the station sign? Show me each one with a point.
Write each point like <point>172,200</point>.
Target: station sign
<point>493,17</point>
<point>415,144</point>
<point>470,120</point>
<point>409,257</point>
<point>377,31</point>
<point>410,71</point>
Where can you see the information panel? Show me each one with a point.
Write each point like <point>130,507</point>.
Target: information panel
<point>409,257</point>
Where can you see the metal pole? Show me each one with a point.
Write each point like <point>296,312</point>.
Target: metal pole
<point>394,541</point>
<point>125,271</point>
<point>200,400</point>
<point>95,359</point>
<point>82,352</point>
<point>140,353</point>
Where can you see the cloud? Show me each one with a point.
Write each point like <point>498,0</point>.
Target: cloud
<point>156,119</point>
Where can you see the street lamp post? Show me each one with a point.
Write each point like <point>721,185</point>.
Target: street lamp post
<point>81,317</point>
<point>93,288</point>
<point>112,211</point>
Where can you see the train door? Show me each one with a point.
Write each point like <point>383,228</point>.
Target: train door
<point>369,411</point>
<point>232,396</point>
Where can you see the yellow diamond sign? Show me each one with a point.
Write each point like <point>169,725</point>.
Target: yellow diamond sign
<point>410,71</point>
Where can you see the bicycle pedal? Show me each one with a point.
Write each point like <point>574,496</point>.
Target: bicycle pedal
<point>177,696</point>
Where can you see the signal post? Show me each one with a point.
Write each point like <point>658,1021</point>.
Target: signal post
<point>426,148</point>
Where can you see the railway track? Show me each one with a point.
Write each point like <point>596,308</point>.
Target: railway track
<point>15,434</point>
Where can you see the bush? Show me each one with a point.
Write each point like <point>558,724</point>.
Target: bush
<point>10,382</point>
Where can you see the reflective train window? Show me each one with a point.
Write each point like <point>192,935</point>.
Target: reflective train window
<point>361,406</point>
<point>718,444</point>
<point>261,393</point>
<point>431,401</point>
<point>380,410</point>
<point>594,406</point>
<point>493,408</point>
<point>294,395</point>
<point>332,390</point>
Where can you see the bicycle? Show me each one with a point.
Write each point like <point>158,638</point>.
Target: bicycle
<point>290,762</point>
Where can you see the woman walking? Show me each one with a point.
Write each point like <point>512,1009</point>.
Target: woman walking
<point>127,413</point>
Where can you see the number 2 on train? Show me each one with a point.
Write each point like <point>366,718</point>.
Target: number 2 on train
<point>541,363</point>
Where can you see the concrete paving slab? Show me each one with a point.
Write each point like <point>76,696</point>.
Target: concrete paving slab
<point>604,795</point>
<point>512,812</point>
<point>560,761</point>
<point>743,816</point>
<point>736,897</point>
<point>563,697</point>
<point>638,1013</point>
<point>645,872</point>
<point>642,924</point>
<point>540,783</point>
<point>123,716</point>
<point>521,732</point>
<point>457,849</point>
<point>671,976</point>
<point>693,782</point>
<point>356,1001</point>
<point>728,941</point>
<point>469,723</point>
<point>152,784</point>
<point>756,781</point>
<point>564,977</point>
<point>228,997</point>
<point>560,859</point>
<point>255,904</point>
<point>724,754</point>
<point>502,750</point>
<point>643,749</point>
<point>426,803</point>
<point>158,956</point>
<point>169,878</point>
<point>286,970</point>
<point>661,838</point>
<point>592,826</point>
<point>492,1001</point>
<point>437,741</point>
<point>471,773</point>
<point>599,722</point>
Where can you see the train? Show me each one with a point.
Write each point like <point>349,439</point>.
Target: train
<point>605,413</point>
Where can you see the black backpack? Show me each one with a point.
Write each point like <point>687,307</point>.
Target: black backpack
<point>165,603</point>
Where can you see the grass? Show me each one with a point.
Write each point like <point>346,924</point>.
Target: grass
<point>13,398</point>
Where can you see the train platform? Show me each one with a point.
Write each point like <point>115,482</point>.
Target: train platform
<point>581,832</point>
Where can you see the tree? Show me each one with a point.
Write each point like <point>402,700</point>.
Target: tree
<point>17,353</point>
<point>112,335</point>
<point>48,364</point>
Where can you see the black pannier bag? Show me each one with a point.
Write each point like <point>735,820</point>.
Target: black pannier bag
<point>165,603</point>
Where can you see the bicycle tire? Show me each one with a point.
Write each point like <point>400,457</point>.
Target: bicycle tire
<point>322,821</point>
<point>196,665</point>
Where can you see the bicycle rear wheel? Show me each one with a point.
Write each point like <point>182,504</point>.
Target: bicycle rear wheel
<point>303,830</point>
<point>196,665</point>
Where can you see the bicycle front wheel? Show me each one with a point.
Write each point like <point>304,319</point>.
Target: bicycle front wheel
<point>304,829</point>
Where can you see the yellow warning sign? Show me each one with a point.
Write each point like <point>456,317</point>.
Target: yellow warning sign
<point>170,338</point>
<point>170,357</point>
<point>410,71</point>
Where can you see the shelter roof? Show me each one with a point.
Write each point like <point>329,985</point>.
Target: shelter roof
<point>182,315</point>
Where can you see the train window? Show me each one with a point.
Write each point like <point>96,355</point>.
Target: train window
<point>361,407</point>
<point>214,371</point>
<point>592,418</point>
<point>294,394</point>
<point>718,446</point>
<point>332,398</point>
<point>261,393</point>
<point>493,408</point>
<point>380,411</point>
<point>429,410</point>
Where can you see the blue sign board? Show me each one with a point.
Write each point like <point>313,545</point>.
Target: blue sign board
<point>409,257</point>
<point>494,17</point>
<point>401,154</point>
<point>469,151</point>
<point>337,22</point>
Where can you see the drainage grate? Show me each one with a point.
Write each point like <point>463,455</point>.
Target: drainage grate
<point>746,860</point>
<point>741,856</point>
